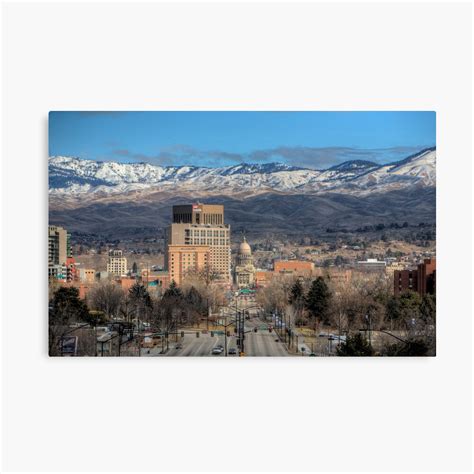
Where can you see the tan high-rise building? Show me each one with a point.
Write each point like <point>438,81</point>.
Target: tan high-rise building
<point>57,245</point>
<point>202,225</point>
<point>117,263</point>
<point>58,252</point>
<point>187,259</point>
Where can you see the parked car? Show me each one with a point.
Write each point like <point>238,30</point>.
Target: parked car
<point>232,351</point>
<point>217,351</point>
<point>178,346</point>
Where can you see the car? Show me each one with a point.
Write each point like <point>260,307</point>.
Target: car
<point>232,351</point>
<point>219,346</point>
<point>217,351</point>
<point>178,346</point>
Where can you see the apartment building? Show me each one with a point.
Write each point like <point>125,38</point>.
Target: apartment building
<point>117,263</point>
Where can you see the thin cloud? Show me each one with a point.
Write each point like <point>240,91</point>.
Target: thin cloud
<point>303,157</point>
<point>179,155</point>
<point>325,157</point>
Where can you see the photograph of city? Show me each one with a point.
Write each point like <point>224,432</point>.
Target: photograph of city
<point>242,234</point>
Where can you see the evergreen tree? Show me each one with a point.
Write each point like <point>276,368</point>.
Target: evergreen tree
<point>296,293</point>
<point>428,308</point>
<point>412,348</point>
<point>195,300</point>
<point>139,295</point>
<point>317,300</point>
<point>65,307</point>
<point>355,346</point>
<point>173,291</point>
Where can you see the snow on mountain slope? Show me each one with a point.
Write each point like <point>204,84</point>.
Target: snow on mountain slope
<point>418,169</point>
<point>69,175</point>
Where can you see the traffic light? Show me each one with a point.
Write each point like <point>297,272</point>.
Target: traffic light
<point>182,333</point>
<point>238,342</point>
<point>212,333</point>
<point>197,334</point>
<point>228,333</point>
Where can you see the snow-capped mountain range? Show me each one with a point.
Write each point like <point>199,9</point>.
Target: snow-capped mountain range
<point>75,176</point>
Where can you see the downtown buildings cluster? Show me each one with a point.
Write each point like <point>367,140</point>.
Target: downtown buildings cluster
<point>198,243</point>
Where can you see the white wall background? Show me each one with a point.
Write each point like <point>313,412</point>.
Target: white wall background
<point>221,415</point>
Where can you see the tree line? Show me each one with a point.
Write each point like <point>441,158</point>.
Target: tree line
<point>353,309</point>
<point>107,302</point>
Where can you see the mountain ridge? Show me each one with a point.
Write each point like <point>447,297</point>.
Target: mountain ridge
<point>69,176</point>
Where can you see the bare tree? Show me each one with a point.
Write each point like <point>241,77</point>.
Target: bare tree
<point>107,297</point>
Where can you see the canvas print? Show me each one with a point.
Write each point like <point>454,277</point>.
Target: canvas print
<point>242,234</point>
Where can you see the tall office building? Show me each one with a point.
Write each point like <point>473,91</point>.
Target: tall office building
<point>201,225</point>
<point>58,252</point>
<point>117,263</point>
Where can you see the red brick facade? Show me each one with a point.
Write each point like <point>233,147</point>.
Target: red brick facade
<point>422,279</point>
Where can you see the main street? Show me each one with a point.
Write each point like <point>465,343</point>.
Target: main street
<point>259,343</point>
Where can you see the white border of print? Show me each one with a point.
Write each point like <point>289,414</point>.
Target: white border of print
<point>264,415</point>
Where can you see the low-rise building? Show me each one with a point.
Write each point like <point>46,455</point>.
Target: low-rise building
<point>163,279</point>
<point>262,278</point>
<point>300,267</point>
<point>86,275</point>
<point>371,265</point>
<point>337,275</point>
<point>126,283</point>
<point>83,288</point>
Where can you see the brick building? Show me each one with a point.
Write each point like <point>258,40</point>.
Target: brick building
<point>422,279</point>
<point>301,267</point>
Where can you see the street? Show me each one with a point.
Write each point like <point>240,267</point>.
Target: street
<point>261,343</point>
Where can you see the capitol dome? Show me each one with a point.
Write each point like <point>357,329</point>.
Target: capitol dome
<point>244,248</point>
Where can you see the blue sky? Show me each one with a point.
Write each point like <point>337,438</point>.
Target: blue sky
<point>307,139</point>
